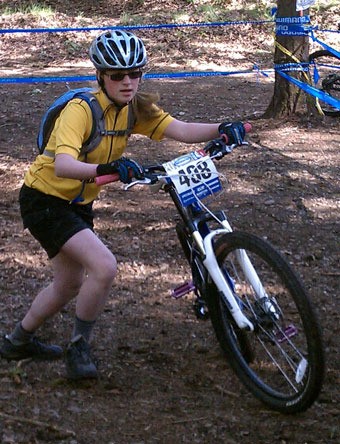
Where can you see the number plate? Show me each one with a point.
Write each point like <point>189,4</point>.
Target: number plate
<point>194,176</point>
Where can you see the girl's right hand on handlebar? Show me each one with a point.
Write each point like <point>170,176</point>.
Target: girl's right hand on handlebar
<point>124,167</point>
<point>217,148</point>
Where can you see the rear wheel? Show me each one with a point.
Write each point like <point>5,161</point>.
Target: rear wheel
<point>281,362</point>
<point>325,71</point>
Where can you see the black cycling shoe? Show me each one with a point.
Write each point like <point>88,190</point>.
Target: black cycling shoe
<point>79,363</point>
<point>34,349</point>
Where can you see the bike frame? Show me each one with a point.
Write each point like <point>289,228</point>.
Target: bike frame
<point>196,222</point>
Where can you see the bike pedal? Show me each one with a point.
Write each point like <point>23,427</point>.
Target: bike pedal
<point>182,290</point>
<point>287,333</point>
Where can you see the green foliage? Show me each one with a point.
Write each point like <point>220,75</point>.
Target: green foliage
<point>208,10</point>
<point>324,5</point>
<point>127,19</point>
<point>210,13</point>
<point>72,47</point>
<point>40,10</point>
<point>215,10</point>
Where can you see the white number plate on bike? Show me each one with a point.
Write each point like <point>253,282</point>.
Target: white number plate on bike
<point>194,176</point>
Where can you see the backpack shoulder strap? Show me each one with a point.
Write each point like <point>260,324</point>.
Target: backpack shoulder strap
<point>98,123</point>
<point>131,120</point>
<point>98,127</point>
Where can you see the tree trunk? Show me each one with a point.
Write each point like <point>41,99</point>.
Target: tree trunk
<point>288,98</point>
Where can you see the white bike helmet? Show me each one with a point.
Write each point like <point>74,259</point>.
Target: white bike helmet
<point>117,50</point>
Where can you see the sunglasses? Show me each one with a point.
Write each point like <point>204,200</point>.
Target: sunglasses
<point>119,76</point>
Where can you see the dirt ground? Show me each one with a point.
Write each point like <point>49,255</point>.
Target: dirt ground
<point>163,377</point>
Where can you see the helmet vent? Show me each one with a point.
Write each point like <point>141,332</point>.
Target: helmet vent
<point>118,50</point>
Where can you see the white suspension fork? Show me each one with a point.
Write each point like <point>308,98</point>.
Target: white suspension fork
<point>218,277</point>
<point>247,267</point>
<point>250,273</point>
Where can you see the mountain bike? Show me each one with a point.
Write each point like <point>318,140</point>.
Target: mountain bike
<point>326,76</point>
<point>259,309</point>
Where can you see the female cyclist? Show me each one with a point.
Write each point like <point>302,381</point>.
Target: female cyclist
<point>57,197</point>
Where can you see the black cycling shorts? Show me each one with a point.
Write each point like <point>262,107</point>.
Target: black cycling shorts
<point>51,220</point>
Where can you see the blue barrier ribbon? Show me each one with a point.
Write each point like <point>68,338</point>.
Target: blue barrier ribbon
<point>303,66</point>
<point>325,46</point>
<point>294,30</point>
<point>200,74</point>
<point>292,25</point>
<point>53,79</point>
<point>8,80</point>
<point>106,28</point>
<point>311,90</point>
<point>288,29</point>
<point>293,20</point>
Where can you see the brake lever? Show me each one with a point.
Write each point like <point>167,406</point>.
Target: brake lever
<point>229,148</point>
<point>145,181</point>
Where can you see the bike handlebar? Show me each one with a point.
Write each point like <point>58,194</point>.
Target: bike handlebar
<point>108,178</point>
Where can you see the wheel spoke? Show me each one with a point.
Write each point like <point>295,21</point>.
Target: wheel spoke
<point>286,364</point>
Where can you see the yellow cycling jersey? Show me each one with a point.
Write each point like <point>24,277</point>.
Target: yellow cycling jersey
<point>72,128</point>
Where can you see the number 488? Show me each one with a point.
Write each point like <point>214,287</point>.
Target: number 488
<point>194,174</point>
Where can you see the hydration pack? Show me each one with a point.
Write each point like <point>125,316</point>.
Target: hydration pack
<point>98,122</point>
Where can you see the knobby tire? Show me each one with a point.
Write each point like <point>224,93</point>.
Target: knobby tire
<point>270,360</point>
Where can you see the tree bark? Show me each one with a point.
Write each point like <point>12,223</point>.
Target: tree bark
<point>288,99</point>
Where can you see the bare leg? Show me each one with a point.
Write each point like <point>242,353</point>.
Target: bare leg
<point>101,268</point>
<point>84,251</point>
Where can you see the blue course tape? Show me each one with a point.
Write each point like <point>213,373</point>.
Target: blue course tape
<point>293,30</point>
<point>133,27</point>
<point>311,90</point>
<point>303,66</point>
<point>325,46</point>
<point>105,28</point>
<point>47,79</point>
<point>293,20</point>
<point>7,80</point>
<point>201,74</point>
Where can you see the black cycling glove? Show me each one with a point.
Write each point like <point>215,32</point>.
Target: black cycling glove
<point>126,168</point>
<point>234,131</point>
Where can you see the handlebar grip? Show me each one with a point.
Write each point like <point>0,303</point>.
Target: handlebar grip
<point>107,178</point>
<point>247,126</point>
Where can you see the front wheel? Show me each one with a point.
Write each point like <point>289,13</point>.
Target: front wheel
<point>286,367</point>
